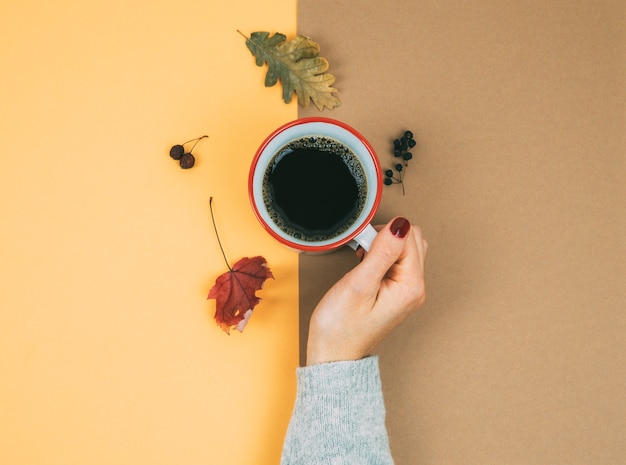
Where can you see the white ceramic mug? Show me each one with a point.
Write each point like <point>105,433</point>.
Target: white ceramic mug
<point>358,230</point>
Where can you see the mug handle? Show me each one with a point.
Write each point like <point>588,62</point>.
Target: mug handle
<point>364,238</point>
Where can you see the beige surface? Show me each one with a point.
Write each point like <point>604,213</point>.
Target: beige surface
<point>109,353</point>
<point>518,180</point>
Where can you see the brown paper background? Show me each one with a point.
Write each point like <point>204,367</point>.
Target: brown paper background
<point>518,179</point>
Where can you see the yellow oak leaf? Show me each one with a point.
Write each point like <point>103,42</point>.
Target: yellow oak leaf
<point>298,66</point>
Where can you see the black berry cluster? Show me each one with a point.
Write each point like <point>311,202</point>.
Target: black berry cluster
<point>186,159</point>
<point>401,152</point>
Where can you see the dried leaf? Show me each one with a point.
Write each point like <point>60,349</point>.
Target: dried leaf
<point>298,66</point>
<point>234,292</point>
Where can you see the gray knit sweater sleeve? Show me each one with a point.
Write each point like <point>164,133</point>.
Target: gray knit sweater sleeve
<point>338,417</point>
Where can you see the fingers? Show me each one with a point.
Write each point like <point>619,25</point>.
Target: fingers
<point>422,246</point>
<point>409,267</point>
<point>386,249</point>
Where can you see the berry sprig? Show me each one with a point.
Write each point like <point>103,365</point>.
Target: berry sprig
<point>401,149</point>
<point>186,159</point>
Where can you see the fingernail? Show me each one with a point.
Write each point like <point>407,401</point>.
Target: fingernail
<point>400,227</point>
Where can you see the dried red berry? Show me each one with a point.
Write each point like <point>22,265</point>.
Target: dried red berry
<point>177,151</point>
<point>187,161</point>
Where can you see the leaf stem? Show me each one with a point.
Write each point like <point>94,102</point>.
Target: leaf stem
<point>246,37</point>
<point>217,235</point>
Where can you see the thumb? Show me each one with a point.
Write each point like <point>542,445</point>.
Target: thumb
<point>386,248</point>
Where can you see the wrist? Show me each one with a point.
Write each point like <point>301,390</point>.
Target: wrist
<point>326,353</point>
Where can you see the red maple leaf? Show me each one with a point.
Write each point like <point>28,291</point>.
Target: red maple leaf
<point>234,292</point>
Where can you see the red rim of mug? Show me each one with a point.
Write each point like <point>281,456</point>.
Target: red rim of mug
<point>365,222</point>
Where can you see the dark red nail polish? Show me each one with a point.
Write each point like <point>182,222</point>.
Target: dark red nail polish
<point>400,227</point>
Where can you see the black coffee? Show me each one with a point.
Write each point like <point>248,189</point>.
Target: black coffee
<point>314,188</point>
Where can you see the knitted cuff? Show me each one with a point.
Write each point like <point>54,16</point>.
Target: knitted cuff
<point>340,378</point>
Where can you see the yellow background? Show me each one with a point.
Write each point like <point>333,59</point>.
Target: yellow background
<point>109,353</point>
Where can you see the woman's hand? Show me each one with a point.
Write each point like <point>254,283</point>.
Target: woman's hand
<point>372,299</point>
